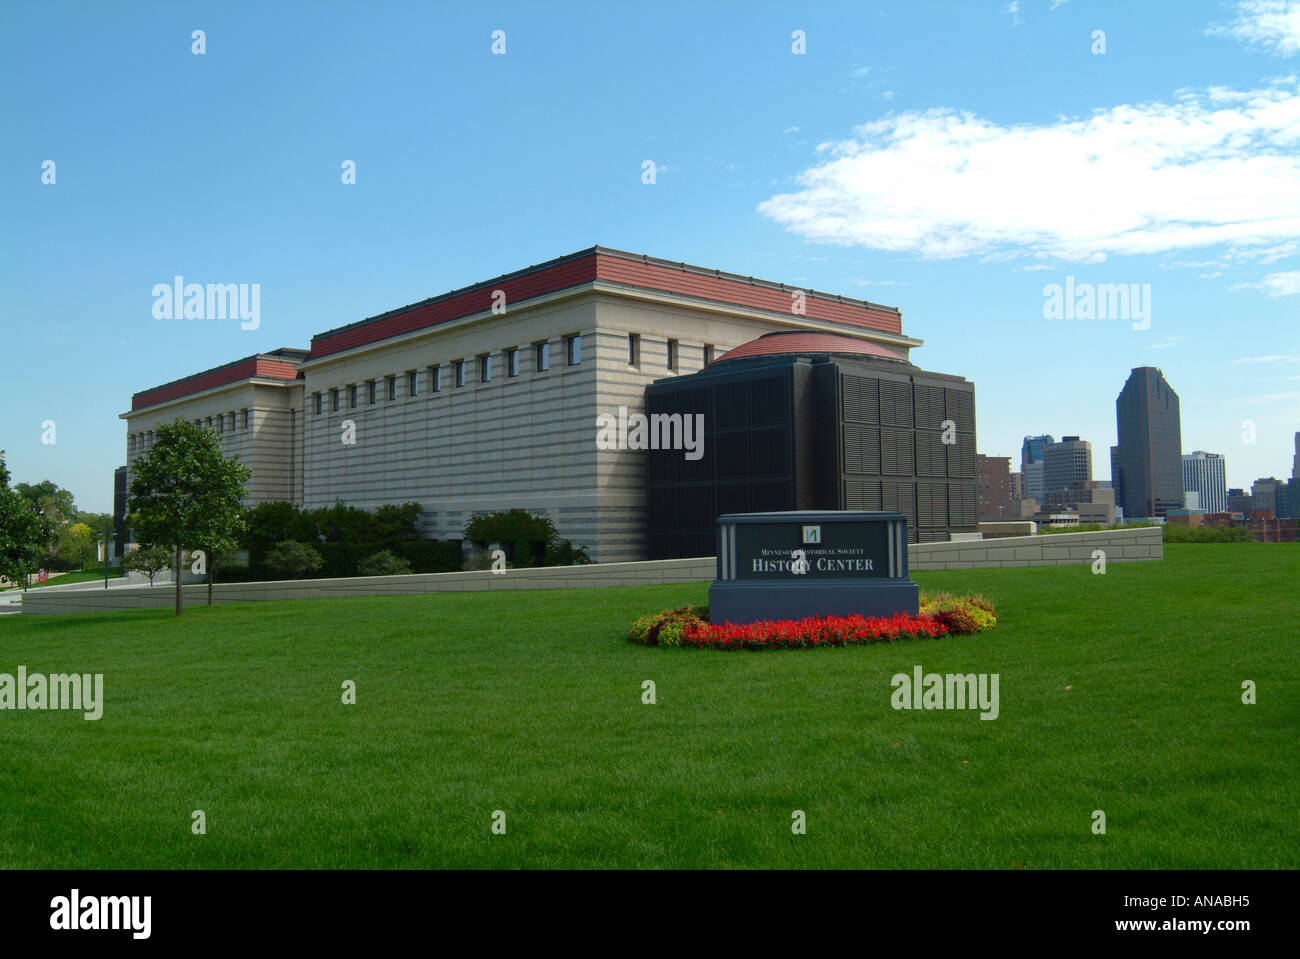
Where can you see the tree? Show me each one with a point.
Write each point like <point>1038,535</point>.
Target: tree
<point>23,531</point>
<point>186,492</point>
<point>384,563</point>
<point>58,507</point>
<point>293,560</point>
<point>151,561</point>
<point>78,536</point>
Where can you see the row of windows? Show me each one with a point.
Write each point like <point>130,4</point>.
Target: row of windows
<point>672,348</point>
<point>236,420</point>
<point>433,376</point>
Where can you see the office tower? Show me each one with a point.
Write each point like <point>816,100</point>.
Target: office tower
<point>1066,462</point>
<point>1147,463</point>
<point>1031,454</point>
<point>1204,473</point>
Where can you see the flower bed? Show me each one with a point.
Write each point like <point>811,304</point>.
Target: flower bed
<point>940,615</point>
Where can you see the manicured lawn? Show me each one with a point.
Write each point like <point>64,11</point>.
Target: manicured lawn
<point>76,576</point>
<point>530,703</point>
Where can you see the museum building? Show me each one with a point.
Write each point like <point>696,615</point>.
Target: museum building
<point>488,398</point>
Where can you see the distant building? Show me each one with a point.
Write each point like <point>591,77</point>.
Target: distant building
<point>1031,463</point>
<point>1146,464</point>
<point>994,486</point>
<point>1017,485</point>
<point>1033,481</point>
<point>1239,501</point>
<point>1295,460</point>
<point>1066,462</point>
<point>1058,519</point>
<point>1287,500</point>
<point>1093,500</point>
<point>1263,493</point>
<point>1205,474</point>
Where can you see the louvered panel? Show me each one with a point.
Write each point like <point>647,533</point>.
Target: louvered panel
<point>961,409</point>
<point>860,495</point>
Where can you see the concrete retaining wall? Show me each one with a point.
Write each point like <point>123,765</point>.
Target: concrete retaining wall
<point>1122,545</point>
<point>555,577</point>
<point>1056,549</point>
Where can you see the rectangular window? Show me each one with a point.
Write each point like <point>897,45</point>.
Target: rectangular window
<point>543,358</point>
<point>209,423</point>
<point>708,353</point>
<point>633,349</point>
<point>573,349</point>
<point>371,392</point>
<point>485,368</point>
<point>392,388</point>
<point>352,397</point>
<point>672,354</point>
<point>460,372</point>
<point>151,437</point>
<point>246,418</point>
<point>435,379</point>
<point>512,362</point>
<point>221,422</point>
<point>318,403</point>
<point>334,399</point>
<point>412,383</point>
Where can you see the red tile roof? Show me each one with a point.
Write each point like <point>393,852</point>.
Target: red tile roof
<point>774,344</point>
<point>260,365</point>
<point>610,266</point>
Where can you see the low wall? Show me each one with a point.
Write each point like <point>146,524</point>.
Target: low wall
<point>1045,549</point>
<point>553,577</point>
<point>1120,545</point>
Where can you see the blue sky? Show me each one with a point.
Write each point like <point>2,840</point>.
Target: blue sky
<point>950,158</point>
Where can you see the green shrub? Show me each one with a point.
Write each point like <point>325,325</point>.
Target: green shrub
<point>668,627</point>
<point>293,560</point>
<point>384,563</point>
<point>528,539</point>
<point>963,615</point>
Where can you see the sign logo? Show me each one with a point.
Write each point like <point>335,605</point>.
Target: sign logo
<point>812,534</point>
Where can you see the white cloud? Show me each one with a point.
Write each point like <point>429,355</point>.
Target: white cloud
<point>1013,8</point>
<point>1133,179</point>
<point>1287,397</point>
<point>1280,284</point>
<point>1276,358</point>
<point>790,130</point>
<point>1269,254</point>
<point>1272,24</point>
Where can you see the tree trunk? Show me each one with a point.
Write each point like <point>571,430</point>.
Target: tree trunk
<point>178,580</point>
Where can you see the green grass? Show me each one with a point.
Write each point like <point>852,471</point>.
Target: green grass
<point>530,703</point>
<point>76,576</point>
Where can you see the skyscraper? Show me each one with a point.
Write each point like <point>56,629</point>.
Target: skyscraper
<point>993,486</point>
<point>1066,462</point>
<point>1031,464</point>
<point>1204,473</point>
<point>1295,460</point>
<point>1147,464</point>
